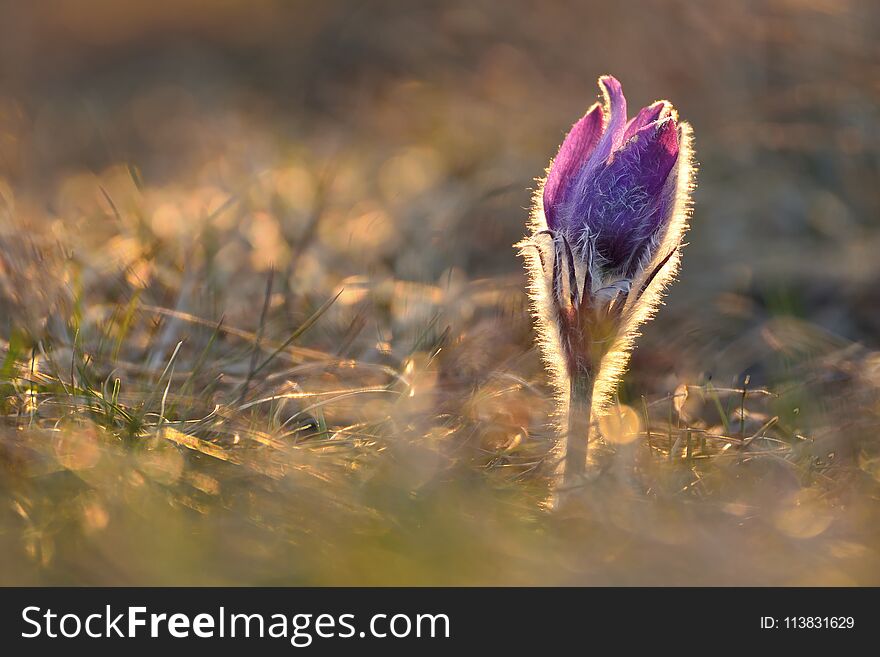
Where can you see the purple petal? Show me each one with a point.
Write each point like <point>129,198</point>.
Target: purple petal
<point>650,156</point>
<point>623,205</point>
<point>612,138</point>
<point>576,148</point>
<point>646,115</point>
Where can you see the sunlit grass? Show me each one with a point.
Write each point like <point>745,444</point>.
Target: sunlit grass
<point>145,443</point>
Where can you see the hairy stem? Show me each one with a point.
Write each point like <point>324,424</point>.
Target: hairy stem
<point>578,435</point>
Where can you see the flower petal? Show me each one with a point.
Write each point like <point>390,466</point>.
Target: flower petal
<point>647,160</point>
<point>653,112</point>
<point>576,191</point>
<point>615,110</point>
<point>623,205</point>
<point>575,150</point>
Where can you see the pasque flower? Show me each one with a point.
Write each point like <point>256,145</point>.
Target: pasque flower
<point>606,229</point>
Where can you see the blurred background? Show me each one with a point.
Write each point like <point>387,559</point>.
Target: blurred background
<point>217,172</point>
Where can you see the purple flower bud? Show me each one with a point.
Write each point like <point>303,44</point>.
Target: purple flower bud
<point>606,231</point>
<point>609,190</point>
